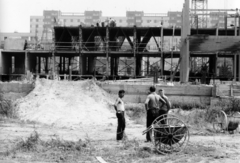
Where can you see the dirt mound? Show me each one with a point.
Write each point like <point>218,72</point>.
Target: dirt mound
<point>67,104</point>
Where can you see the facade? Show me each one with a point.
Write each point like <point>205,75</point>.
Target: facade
<point>175,19</point>
<point>217,19</point>
<point>92,17</point>
<point>134,18</point>
<point>155,20</point>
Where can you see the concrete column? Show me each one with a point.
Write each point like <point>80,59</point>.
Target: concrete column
<point>216,68</point>
<point>184,52</point>
<point>112,65</point>
<point>148,65</point>
<point>80,51</point>
<point>138,66</point>
<point>107,51</point>
<point>64,65</point>
<point>53,68</point>
<point>26,62</point>
<point>1,63</point>
<point>238,66</point>
<point>162,57</point>
<point>134,51</point>
<point>235,67</point>
<point>46,66</point>
<point>60,68</point>
<point>116,65</point>
<point>84,65</point>
<point>212,63</point>
<point>91,64</point>
<point>39,64</point>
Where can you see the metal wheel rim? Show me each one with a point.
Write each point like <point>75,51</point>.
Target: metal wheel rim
<point>170,140</point>
<point>219,121</point>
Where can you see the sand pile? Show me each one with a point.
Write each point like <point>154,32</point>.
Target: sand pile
<point>67,104</point>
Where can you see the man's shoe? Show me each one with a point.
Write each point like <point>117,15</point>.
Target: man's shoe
<point>147,141</point>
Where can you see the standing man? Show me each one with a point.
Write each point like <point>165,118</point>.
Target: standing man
<point>152,105</point>
<point>119,107</point>
<point>165,107</point>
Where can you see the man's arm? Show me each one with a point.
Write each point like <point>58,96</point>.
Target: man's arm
<point>146,103</point>
<point>115,105</point>
<point>167,102</point>
<point>162,100</point>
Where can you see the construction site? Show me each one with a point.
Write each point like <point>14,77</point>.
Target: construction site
<point>57,96</point>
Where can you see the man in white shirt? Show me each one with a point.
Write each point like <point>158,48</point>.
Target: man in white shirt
<point>119,107</point>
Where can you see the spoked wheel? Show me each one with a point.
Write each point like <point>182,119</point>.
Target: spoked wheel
<point>169,134</point>
<point>219,121</point>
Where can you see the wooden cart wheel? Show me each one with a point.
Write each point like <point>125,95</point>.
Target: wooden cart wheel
<point>169,134</point>
<point>219,121</point>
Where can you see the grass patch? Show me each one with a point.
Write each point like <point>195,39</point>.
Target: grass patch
<point>6,108</point>
<point>58,150</point>
<point>187,106</point>
<point>229,105</point>
<point>136,112</point>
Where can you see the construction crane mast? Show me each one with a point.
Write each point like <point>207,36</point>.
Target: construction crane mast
<point>199,13</point>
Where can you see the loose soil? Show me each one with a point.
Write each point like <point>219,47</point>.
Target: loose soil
<point>53,109</point>
<point>201,148</point>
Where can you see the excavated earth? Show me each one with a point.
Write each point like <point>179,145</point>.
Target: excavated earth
<point>82,110</point>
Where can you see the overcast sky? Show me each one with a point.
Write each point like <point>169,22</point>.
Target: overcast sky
<point>15,14</point>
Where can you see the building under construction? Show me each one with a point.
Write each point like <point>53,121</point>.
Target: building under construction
<point>101,51</point>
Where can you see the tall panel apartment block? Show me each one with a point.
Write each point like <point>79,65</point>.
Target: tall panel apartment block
<point>134,18</point>
<point>92,17</point>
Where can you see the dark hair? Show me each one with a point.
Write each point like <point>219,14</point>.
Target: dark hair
<point>121,91</point>
<point>152,89</point>
<point>160,90</point>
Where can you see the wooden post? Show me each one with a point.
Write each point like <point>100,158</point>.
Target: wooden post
<point>184,52</point>
<point>80,52</point>
<point>107,51</point>
<point>134,50</point>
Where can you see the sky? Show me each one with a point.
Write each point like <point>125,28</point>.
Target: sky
<point>15,14</point>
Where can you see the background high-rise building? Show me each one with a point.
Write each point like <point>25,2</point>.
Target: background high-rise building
<point>134,18</point>
<point>175,19</point>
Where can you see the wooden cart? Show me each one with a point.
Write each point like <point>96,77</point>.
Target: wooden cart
<point>168,134</point>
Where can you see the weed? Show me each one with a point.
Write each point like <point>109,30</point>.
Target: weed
<point>30,143</point>
<point>136,112</point>
<point>134,144</point>
<point>187,106</point>
<point>229,105</point>
<point>6,108</point>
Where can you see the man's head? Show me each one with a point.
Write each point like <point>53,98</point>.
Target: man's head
<point>152,89</point>
<point>121,93</point>
<point>161,92</point>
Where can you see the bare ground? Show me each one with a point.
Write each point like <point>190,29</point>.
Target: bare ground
<point>202,148</point>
